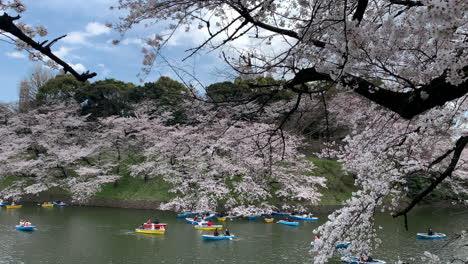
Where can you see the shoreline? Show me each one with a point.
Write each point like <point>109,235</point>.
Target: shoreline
<point>154,205</point>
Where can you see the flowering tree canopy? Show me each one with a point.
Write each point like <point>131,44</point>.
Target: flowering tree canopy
<point>400,68</point>
<point>417,49</point>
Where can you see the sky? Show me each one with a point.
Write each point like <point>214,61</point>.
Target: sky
<point>88,46</point>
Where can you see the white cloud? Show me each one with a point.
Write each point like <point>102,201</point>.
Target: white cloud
<point>16,55</point>
<point>96,29</point>
<point>81,37</point>
<point>80,68</point>
<point>129,41</point>
<point>62,52</point>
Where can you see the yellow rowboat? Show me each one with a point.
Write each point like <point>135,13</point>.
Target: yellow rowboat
<point>222,219</point>
<point>209,228</point>
<point>149,231</point>
<point>13,206</point>
<point>269,220</point>
<point>47,205</point>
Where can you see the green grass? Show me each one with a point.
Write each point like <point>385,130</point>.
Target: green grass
<point>340,184</point>
<point>8,181</point>
<point>129,188</point>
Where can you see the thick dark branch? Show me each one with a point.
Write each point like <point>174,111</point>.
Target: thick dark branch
<point>360,10</point>
<point>7,25</point>
<point>406,104</point>
<point>408,3</point>
<point>459,147</point>
<point>245,13</point>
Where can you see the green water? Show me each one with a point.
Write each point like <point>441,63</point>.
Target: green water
<point>105,235</point>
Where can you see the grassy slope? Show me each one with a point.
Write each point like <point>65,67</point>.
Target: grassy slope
<point>340,185</point>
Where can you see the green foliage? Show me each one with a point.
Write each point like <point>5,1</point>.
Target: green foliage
<point>262,90</point>
<point>60,88</point>
<point>166,90</point>
<point>105,98</point>
<point>417,183</point>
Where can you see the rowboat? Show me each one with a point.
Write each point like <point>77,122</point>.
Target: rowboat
<point>3,203</point>
<point>47,205</point>
<point>222,219</point>
<point>298,217</point>
<point>268,220</point>
<point>211,237</point>
<point>434,236</point>
<point>155,226</point>
<point>150,231</point>
<point>193,222</point>
<point>186,214</point>
<point>280,214</point>
<point>209,228</point>
<point>25,228</point>
<point>341,245</point>
<point>288,223</point>
<point>355,260</point>
<point>13,206</point>
<point>60,204</point>
<point>209,217</point>
<point>252,217</point>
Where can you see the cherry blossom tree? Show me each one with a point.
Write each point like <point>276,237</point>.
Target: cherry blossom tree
<point>43,147</point>
<point>220,160</point>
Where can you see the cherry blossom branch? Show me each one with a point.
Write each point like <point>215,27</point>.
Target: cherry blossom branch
<point>406,104</point>
<point>7,25</point>
<point>459,147</point>
<point>408,3</point>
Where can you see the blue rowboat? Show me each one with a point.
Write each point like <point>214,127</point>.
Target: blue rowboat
<point>186,214</point>
<point>210,217</point>
<point>191,221</point>
<point>297,217</point>
<point>252,217</point>
<point>25,228</point>
<point>355,260</point>
<point>280,214</point>
<point>434,236</point>
<point>3,203</point>
<point>288,223</point>
<point>60,204</point>
<point>341,245</point>
<point>211,237</point>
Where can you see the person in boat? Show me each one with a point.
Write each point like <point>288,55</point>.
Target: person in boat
<point>430,232</point>
<point>27,223</point>
<point>216,233</point>
<point>366,258</point>
<point>209,223</point>
<point>226,233</point>
<point>156,221</point>
<point>149,221</point>
<point>195,218</point>
<point>287,219</point>
<point>21,223</point>
<point>142,226</point>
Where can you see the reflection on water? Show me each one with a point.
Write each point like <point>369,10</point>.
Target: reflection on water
<point>105,235</point>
